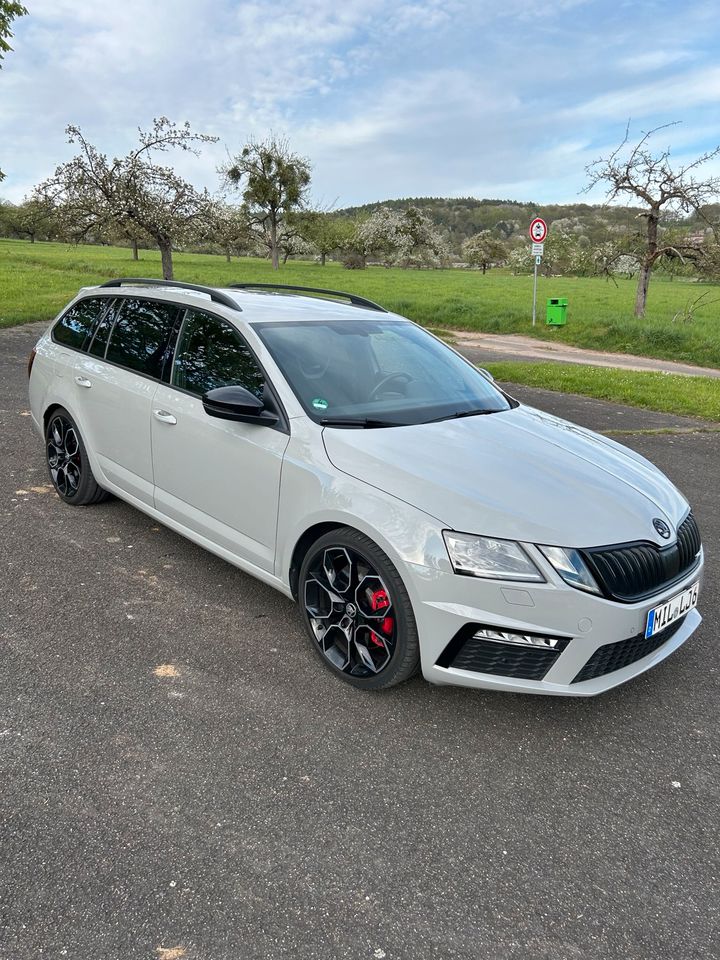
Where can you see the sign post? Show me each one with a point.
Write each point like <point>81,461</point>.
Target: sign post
<point>538,232</point>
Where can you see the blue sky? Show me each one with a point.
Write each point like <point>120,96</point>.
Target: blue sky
<point>492,99</point>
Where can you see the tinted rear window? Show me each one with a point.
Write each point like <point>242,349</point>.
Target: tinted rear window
<point>141,336</point>
<point>74,326</point>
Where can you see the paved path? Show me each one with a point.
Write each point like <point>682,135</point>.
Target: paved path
<point>515,347</point>
<point>182,779</point>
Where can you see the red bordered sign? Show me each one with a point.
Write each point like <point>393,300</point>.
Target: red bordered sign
<point>538,230</point>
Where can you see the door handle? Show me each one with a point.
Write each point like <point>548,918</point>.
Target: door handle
<point>83,382</point>
<point>164,416</point>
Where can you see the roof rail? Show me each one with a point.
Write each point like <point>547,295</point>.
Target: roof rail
<point>215,295</point>
<point>353,298</point>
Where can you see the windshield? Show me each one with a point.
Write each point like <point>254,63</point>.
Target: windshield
<point>372,373</point>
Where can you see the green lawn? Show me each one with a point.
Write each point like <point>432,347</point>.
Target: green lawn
<point>690,396</point>
<point>37,279</point>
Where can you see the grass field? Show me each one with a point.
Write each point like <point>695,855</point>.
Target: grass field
<point>690,396</point>
<point>37,279</point>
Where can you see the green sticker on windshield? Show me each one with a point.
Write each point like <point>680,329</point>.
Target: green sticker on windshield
<point>320,404</point>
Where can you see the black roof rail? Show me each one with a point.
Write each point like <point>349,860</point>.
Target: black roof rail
<point>215,295</point>
<point>353,298</point>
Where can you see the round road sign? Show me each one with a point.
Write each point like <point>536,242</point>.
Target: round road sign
<point>538,230</point>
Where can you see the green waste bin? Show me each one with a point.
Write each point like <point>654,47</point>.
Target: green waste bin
<point>556,312</point>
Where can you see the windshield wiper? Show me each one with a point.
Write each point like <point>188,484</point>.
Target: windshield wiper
<point>362,422</point>
<point>459,414</point>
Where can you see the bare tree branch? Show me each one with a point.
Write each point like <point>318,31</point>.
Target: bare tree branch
<point>638,172</point>
<point>131,194</point>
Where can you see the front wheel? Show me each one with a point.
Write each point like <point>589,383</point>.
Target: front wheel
<point>357,611</point>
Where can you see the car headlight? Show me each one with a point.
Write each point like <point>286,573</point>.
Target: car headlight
<point>487,557</point>
<point>571,567</point>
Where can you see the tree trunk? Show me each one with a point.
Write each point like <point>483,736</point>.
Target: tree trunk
<point>484,268</point>
<point>227,256</point>
<point>134,244</point>
<point>653,220</point>
<point>32,238</point>
<point>274,252</point>
<point>642,288</point>
<point>322,259</point>
<point>166,257</point>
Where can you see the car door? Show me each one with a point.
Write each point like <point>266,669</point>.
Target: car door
<point>120,374</point>
<point>220,478</point>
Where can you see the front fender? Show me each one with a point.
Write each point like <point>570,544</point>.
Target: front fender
<point>313,491</point>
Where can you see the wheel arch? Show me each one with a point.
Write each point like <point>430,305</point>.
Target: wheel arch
<point>307,539</point>
<point>49,411</point>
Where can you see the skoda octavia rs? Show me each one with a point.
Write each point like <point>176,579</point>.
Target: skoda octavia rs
<point>419,516</point>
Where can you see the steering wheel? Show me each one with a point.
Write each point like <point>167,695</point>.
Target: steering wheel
<point>389,379</point>
<point>313,368</point>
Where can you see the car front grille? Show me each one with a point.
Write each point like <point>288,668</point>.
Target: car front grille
<point>467,652</point>
<point>638,570</point>
<point>615,656</point>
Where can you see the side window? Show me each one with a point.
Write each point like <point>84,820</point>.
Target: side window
<point>100,337</point>
<point>211,354</point>
<point>75,325</point>
<point>141,335</point>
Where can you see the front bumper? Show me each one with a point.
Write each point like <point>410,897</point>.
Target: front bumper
<point>584,623</point>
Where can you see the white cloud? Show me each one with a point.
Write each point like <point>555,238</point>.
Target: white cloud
<point>416,97</point>
<point>651,60</point>
<point>675,93</point>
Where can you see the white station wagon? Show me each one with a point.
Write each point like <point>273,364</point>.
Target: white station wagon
<point>419,515</point>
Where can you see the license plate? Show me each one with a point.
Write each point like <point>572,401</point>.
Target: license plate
<point>671,610</point>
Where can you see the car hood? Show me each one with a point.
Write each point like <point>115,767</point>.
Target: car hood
<point>520,474</point>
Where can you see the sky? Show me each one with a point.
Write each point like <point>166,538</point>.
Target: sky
<point>505,99</point>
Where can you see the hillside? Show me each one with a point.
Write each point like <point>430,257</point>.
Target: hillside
<point>461,217</point>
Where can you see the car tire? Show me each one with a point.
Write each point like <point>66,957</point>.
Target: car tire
<point>68,463</point>
<point>357,611</point>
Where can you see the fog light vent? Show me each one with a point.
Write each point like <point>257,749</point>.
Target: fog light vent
<point>502,653</point>
<point>525,639</point>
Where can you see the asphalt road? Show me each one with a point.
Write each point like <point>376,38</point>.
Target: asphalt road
<point>179,777</point>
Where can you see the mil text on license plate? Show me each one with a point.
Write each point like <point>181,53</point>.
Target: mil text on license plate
<point>671,610</point>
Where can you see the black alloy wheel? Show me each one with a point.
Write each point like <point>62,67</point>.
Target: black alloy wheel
<point>357,611</point>
<point>68,462</point>
<point>63,456</point>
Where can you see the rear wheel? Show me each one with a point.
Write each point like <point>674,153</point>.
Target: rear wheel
<point>357,611</point>
<point>68,462</point>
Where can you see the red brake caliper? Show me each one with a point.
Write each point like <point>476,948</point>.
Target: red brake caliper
<point>379,600</point>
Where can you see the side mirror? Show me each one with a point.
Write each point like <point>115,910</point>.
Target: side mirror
<point>486,374</point>
<point>237,403</point>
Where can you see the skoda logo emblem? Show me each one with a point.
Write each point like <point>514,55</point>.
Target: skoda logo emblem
<point>662,528</point>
